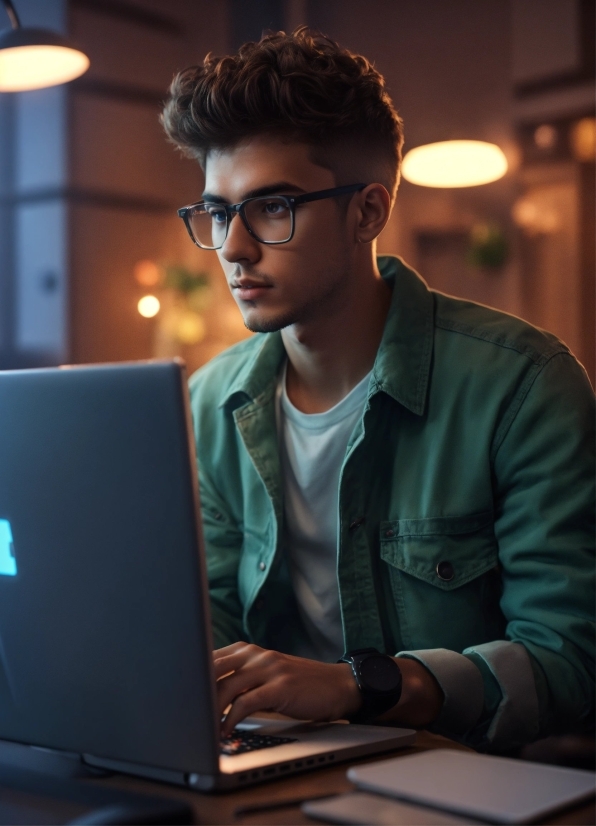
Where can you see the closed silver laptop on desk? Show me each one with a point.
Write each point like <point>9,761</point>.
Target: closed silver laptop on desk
<point>105,633</point>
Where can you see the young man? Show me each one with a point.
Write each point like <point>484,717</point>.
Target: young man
<point>381,466</point>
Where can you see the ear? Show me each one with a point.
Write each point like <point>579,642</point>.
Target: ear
<point>374,205</point>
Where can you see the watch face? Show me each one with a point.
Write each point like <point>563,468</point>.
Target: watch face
<point>380,673</point>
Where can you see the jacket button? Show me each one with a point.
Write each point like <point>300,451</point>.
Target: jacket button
<point>389,533</point>
<point>445,571</point>
<point>262,566</point>
<point>356,523</point>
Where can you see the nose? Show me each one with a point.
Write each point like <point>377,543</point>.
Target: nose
<point>239,244</point>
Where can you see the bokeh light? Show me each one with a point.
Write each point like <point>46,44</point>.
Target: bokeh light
<point>147,273</point>
<point>148,306</point>
<point>583,139</point>
<point>546,136</point>
<point>190,328</point>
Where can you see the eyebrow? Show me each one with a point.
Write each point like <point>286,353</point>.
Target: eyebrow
<point>271,189</point>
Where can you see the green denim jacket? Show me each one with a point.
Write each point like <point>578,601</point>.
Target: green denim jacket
<point>475,448</point>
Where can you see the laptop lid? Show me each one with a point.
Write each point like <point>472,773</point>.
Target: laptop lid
<point>105,641</point>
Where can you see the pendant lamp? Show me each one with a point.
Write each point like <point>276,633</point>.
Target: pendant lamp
<point>32,58</point>
<point>450,164</point>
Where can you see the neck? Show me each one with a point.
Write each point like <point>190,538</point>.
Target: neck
<point>330,353</point>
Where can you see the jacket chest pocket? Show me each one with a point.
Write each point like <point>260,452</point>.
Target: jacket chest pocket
<point>444,579</point>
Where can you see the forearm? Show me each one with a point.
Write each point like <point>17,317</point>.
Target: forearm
<point>421,697</point>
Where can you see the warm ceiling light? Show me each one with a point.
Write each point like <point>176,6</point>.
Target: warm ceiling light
<point>454,163</point>
<point>36,58</point>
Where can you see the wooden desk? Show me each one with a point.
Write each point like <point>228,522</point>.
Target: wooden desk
<point>235,807</point>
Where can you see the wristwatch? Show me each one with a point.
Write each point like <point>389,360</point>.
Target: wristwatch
<point>379,679</point>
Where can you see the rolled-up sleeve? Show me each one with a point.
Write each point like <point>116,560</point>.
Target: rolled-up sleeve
<point>461,683</point>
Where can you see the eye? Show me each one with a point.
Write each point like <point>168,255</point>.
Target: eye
<point>275,208</point>
<point>216,213</point>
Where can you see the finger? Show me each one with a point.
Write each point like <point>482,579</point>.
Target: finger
<point>262,698</point>
<point>228,664</point>
<point>230,688</point>
<point>248,656</point>
<point>235,660</point>
<point>228,649</point>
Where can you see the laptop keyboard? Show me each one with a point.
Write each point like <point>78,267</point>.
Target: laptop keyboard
<point>241,741</point>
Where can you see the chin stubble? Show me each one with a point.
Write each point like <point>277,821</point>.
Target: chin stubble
<point>307,313</point>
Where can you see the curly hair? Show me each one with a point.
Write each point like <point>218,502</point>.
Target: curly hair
<point>302,87</point>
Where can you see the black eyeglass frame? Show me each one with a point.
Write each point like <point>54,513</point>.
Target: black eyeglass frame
<point>291,200</point>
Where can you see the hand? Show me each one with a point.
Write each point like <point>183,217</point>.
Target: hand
<point>255,679</point>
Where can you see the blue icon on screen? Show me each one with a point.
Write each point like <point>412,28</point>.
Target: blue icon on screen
<point>8,563</point>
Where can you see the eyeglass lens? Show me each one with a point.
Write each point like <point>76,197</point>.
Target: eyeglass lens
<point>270,219</point>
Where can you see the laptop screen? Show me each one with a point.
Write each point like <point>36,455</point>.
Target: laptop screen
<point>105,643</point>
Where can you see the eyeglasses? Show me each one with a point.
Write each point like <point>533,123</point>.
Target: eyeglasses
<point>268,218</point>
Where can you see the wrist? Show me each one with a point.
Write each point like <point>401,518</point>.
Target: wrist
<point>351,697</point>
<point>379,681</point>
<point>422,698</point>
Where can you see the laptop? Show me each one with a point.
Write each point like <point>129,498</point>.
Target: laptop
<point>483,786</point>
<point>105,631</point>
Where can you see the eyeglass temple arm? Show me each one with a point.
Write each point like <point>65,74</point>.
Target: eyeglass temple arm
<point>328,193</point>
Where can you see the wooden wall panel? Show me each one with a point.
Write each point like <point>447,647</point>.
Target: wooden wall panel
<point>120,147</point>
<point>124,51</point>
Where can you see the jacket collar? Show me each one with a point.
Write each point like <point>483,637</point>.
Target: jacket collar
<point>259,374</point>
<point>402,365</point>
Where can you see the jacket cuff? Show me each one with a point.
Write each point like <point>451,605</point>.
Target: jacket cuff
<point>516,720</point>
<point>461,683</point>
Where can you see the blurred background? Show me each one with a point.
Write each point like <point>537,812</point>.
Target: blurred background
<point>96,266</point>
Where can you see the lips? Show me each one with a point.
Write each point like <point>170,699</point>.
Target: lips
<point>249,290</point>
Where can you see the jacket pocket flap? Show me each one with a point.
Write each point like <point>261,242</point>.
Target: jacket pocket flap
<point>444,551</point>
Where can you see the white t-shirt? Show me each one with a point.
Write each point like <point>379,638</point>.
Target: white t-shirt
<point>312,450</point>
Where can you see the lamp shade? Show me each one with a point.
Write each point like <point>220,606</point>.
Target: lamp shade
<point>450,164</point>
<point>36,58</point>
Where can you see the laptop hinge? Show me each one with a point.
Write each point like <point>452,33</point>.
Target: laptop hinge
<point>200,782</point>
<point>55,762</point>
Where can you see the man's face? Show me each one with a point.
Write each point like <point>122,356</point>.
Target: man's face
<point>293,283</point>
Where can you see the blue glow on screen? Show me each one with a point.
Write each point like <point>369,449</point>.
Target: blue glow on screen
<point>8,563</point>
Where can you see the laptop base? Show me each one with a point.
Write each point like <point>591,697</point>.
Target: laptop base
<point>344,743</point>
<point>53,762</point>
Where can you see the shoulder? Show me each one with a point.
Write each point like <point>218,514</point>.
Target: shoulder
<point>466,322</point>
<point>211,384</point>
